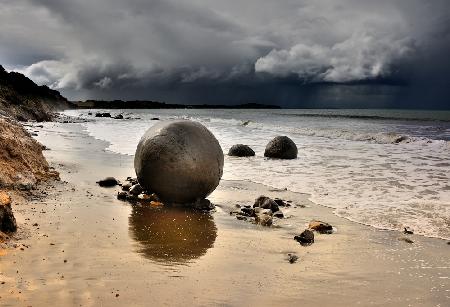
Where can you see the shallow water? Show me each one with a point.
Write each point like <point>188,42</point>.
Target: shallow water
<point>388,169</point>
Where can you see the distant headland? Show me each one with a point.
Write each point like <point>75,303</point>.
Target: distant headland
<point>144,104</point>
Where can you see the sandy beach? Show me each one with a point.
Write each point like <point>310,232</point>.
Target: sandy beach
<point>78,245</point>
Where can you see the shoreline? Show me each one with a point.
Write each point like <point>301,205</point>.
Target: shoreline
<point>311,197</point>
<point>108,254</point>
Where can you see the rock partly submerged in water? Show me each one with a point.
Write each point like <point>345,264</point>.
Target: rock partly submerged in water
<point>241,150</point>
<point>305,238</point>
<point>281,147</point>
<point>108,182</point>
<point>7,219</point>
<point>190,167</point>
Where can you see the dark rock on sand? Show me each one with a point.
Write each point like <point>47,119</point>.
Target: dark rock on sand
<point>154,118</point>
<point>281,203</point>
<point>191,166</point>
<point>305,238</point>
<point>248,211</point>
<point>241,150</point>
<point>278,214</point>
<point>100,114</point>
<point>108,182</point>
<point>281,147</point>
<point>321,227</point>
<point>292,258</point>
<point>118,116</point>
<point>266,203</point>
<point>136,189</point>
<point>132,180</point>
<point>408,231</point>
<point>7,219</point>
<point>122,195</point>
<point>126,186</point>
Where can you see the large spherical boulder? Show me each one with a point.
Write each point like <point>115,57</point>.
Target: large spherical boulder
<point>241,150</point>
<point>180,160</point>
<point>281,147</point>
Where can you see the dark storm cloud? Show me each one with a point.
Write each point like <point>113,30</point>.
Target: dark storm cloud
<point>294,52</point>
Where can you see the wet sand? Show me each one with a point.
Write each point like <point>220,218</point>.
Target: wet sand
<point>89,249</point>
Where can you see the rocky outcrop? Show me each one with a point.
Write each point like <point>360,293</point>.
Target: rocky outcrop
<point>22,99</point>
<point>181,161</point>
<point>281,147</point>
<point>241,150</point>
<point>22,164</point>
<point>7,219</point>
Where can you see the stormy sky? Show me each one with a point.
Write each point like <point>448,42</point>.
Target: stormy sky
<point>294,53</point>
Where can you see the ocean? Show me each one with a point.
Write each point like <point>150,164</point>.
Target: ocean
<point>385,168</point>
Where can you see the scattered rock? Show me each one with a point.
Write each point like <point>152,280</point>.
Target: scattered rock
<point>241,150</point>
<point>248,211</point>
<point>264,220</point>
<point>292,258</point>
<point>408,231</point>
<point>278,214</point>
<point>189,169</point>
<point>7,219</point>
<point>321,227</point>
<point>154,118</point>
<point>108,182</point>
<point>104,114</point>
<point>246,123</point>
<point>305,238</point>
<point>118,116</point>
<point>126,186</point>
<point>281,147</point>
<point>131,180</point>
<point>122,195</point>
<point>148,198</point>
<point>281,203</point>
<point>266,203</point>
<point>407,240</point>
<point>136,189</point>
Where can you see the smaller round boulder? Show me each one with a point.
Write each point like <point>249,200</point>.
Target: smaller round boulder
<point>281,147</point>
<point>241,150</point>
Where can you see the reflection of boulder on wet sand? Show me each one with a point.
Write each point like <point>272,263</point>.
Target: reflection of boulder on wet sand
<point>172,234</point>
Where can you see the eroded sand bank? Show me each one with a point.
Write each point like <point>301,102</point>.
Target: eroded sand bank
<point>87,248</point>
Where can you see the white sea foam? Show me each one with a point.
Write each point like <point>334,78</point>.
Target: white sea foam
<point>385,174</point>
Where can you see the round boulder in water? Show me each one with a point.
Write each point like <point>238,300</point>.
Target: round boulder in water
<point>241,150</point>
<point>281,147</point>
<point>180,160</point>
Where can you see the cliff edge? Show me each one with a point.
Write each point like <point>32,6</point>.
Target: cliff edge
<point>22,99</point>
